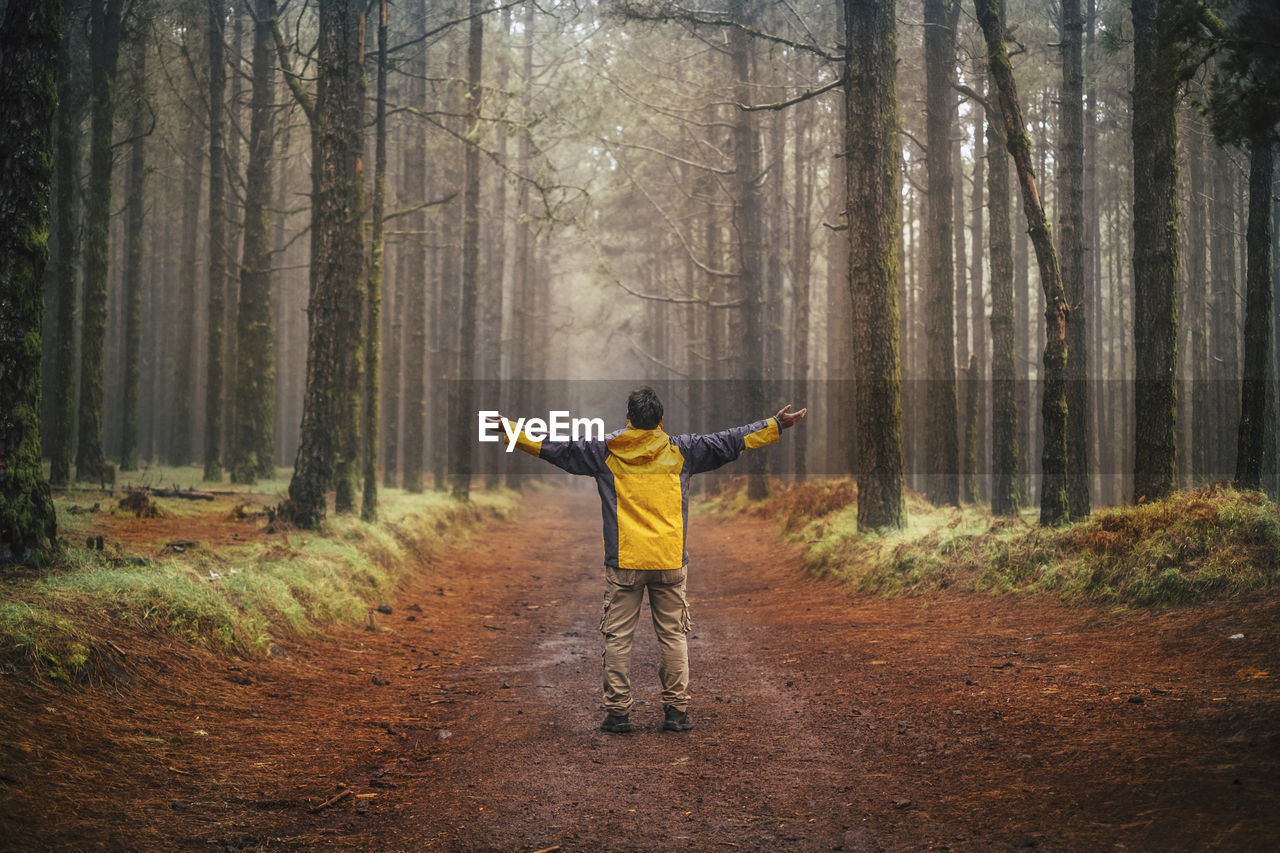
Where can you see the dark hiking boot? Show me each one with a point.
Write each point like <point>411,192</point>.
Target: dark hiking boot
<point>676,720</point>
<point>616,724</point>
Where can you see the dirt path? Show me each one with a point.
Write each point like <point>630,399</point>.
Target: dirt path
<point>823,722</point>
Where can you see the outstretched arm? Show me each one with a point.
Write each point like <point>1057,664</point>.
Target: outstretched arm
<point>708,452</point>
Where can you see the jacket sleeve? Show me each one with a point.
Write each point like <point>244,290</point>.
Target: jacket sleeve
<point>708,452</point>
<point>579,456</point>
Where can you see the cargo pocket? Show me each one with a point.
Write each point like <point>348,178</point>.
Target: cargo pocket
<point>604,613</point>
<point>686,622</point>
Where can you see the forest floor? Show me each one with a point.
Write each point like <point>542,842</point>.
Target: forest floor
<point>467,719</point>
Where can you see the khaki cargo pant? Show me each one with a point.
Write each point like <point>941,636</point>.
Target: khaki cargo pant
<point>670,611</point>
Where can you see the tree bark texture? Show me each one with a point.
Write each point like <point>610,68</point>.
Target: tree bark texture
<point>1006,455</point>
<point>254,417</point>
<point>942,451</point>
<point>373,298</point>
<point>416,270</point>
<point>1071,237</point>
<point>464,411</point>
<point>981,481</point>
<point>28,95</point>
<point>351,364</point>
<point>1155,250</point>
<point>135,187</point>
<point>104,49</point>
<point>66,182</point>
<point>217,271</point>
<point>801,272</point>
<point>337,253</point>
<point>1053,496</point>
<point>872,162</point>
<point>748,222</point>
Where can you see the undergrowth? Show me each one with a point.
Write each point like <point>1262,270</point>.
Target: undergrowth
<point>233,598</point>
<point>1211,542</point>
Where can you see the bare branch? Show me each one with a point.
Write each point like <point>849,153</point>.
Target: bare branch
<point>799,99</point>
<point>449,24</point>
<point>667,154</point>
<point>300,94</point>
<point>415,208</point>
<point>674,13</point>
<point>973,96</point>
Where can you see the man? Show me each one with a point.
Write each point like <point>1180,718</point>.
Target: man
<point>642,475</point>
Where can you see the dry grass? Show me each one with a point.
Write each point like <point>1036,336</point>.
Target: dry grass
<point>1207,543</point>
<point>216,573</point>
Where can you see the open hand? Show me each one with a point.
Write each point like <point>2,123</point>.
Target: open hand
<point>787,418</point>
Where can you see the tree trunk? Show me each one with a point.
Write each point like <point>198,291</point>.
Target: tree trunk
<point>104,49</point>
<point>496,343</point>
<point>842,445</point>
<point>135,186</point>
<point>942,451</point>
<point>522,279</point>
<point>1093,259</point>
<point>1226,337</point>
<point>1198,288</point>
<point>253,444</point>
<point>1071,236</point>
<point>749,224</point>
<point>373,299</point>
<point>801,271</point>
<point>1006,455</point>
<point>464,410</point>
<point>351,365</point>
<point>872,160</point>
<point>981,479</point>
<point>217,242</point>
<point>28,94</point>
<point>1257,426</point>
<point>1155,249</point>
<point>1053,497</point>
<point>183,325</point>
<point>446,314</point>
<point>337,253</point>
<point>66,181</point>
<point>415,265</point>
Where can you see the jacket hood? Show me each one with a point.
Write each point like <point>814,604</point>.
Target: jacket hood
<point>638,446</point>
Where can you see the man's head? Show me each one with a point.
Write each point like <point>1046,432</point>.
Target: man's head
<point>644,409</point>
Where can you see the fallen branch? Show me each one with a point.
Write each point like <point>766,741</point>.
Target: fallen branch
<point>336,798</point>
<point>185,494</point>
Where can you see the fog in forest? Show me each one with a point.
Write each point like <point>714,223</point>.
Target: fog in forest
<point>538,205</point>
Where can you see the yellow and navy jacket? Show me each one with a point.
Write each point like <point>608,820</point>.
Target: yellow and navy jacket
<point>643,479</point>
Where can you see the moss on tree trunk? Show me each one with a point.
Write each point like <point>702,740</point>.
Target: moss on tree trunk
<point>28,53</point>
<point>330,415</point>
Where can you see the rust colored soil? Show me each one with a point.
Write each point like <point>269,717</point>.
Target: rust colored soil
<point>823,721</point>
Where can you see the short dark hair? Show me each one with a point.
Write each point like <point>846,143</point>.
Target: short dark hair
<point>644,409</point>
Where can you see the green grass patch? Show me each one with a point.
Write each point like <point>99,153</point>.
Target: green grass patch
<point>1207,543</point>
<point>231,597</point>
